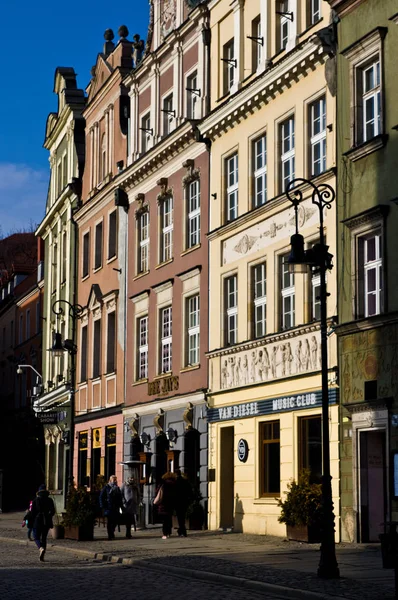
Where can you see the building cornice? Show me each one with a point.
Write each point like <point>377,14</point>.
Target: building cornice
<point>343,7</point>
<point>285,73</point>
<point>367,324</point>
<point>64,201</point>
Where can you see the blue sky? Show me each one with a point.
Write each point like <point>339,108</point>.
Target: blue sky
<point>37,38</point>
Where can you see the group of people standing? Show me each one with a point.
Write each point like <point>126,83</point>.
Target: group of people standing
<point>120,505</point>
<point>173,495</point>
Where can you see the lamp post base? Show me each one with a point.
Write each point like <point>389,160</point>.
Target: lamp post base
<point>328,572</point>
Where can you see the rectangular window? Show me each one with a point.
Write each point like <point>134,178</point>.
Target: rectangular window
<point>229,65</point>
<point>59,178</point>
<point>83,355</point>
<point>143,242</point>
<point>193,96</point>
<point>111,342</point>
<point>82,458</point>
<point>257,44</point>
<point>270,459</point>
<point>110,451</point>
<point>55,269</point>
<point>232,175</point>
<point>231,310</point>
<point>112,237</point>
<point>287,295</point>
<point>193,212</point>
<point>98,246</point>
<point>259,282</point>
<point>64,257</point>
<point>97,349</point>
<point>86,254</point>
<point>168,115</point>
<point>167,217</point>
<point>315,297</point>
<point>260,171</point>
<point>142,348</point>
<point>310,446</point>
<point>284,23</point>
<point>317,119</point>
<point>315,11</point>
<point>27,324</point>
<point>146,133</point>
<point>370,100</point>
<point>370,273</point>
<point>287,161</point>
<point>166,339</point>
<point>20,329</point>
<point>192,322</point>
<point>64,170</point>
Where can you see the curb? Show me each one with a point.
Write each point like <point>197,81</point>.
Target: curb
<point>229,580</point>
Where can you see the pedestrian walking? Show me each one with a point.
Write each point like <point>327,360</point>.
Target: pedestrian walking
<point>165,500</point>
<point>131,497</point>
<point>28,521</point>
<point>112,504</point>
<point>184,497</point>
<point>42,512</point>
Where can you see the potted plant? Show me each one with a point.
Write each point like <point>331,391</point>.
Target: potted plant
<point>58,530</point>
<point>79,516</point>
<point>301,510</point>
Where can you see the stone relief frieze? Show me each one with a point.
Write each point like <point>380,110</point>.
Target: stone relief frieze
<point>275,360</point>
<point>272,229</point>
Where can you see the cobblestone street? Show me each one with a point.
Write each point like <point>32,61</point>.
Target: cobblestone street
<point>65,575</point>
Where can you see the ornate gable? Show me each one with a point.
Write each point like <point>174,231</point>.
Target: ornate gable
<point>95,297</point>
<point>101,72</point>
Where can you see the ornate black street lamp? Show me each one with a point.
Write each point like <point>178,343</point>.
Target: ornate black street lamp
<point>319,260</point>
<point>57,350</point>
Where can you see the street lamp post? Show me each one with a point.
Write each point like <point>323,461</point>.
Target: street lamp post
<point>38,381</point>
<point>319,259</point>
<point>58,348</point>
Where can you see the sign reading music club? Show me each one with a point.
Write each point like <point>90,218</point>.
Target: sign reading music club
<point>271,405</point>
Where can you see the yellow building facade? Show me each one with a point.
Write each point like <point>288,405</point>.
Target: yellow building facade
<point>271,121</point>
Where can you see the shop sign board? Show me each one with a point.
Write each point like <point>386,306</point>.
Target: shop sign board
<point>48,418</point>
<point>271,406</point>
<point>243,450</point>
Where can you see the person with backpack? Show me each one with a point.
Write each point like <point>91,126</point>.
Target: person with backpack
<point>111,502</point>
<point>42,513</point>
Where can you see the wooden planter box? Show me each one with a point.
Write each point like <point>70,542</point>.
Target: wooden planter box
<point>80,534</point>
<point>58,532</point>
<point>304,533</point>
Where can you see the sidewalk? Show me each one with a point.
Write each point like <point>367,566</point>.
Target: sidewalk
<point>254,562</point>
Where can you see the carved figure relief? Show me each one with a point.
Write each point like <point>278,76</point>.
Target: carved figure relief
<point>298,355</point>
<point>168,18</point>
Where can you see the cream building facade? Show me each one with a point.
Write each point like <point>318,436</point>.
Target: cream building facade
<point>271,121</point>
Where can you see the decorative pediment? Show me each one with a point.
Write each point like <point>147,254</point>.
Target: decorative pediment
<point>109,301</point>
<point>101,72</point>
<point>95,299</point>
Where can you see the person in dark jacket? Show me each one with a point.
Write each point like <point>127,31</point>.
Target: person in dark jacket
<point>183,500</point>
<point>111,502</point>
<point>167,502</point>
<point>42,513</point>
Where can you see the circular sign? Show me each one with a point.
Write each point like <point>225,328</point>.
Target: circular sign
<point>243,450</point>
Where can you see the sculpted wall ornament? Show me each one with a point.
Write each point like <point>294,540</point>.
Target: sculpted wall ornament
<point>192,173</point>
<point>165,192</point>
<point>285,358</point>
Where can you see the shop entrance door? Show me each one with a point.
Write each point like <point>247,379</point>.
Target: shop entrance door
<point>372,484</point>
<point>227,475</point>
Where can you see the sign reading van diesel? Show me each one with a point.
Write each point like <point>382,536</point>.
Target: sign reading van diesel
<point>271,405</point>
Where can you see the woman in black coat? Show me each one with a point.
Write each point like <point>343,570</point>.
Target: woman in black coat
<point>167,502</point>
<point>42,513</point>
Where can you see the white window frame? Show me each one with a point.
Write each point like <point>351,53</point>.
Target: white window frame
<point>231,309</point>
<point>260,170</point>
<point>96,349</point>
<point>373,266</point>
<point>111,343</point>
<point>317,135</point>
<point>168,118</point>
<point>193,213</point>
<point>232,188</point>
<point>146,137</point>
<point>193,329</point>
<point>315,296</point>
<point>100,255</point>
<point>284,25</point>
<point>371,96</point>
<point>229,74</point>
<point>258,47</point>
<point>287,292</point>
<point>287,156</point>
<point>143,242</point>
<point>142,347</point>
<point>166,339</point>
<point>112,214</point>
<point>259,300</point>
<point>315,11</point>
<point>192,97</point>
<point>167,224</point>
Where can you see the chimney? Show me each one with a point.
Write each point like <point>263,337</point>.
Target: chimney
<point>109,46</point>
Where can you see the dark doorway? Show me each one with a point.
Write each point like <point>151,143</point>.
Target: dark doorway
<point>372,484</point>
<point>162,444</point>
<point>192,456</point>
<point>227,474</point>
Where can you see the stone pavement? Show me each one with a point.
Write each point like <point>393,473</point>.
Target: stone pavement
<point>261,563</point>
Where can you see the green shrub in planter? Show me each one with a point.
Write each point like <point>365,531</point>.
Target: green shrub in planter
<point>80,508</point>
<point>303,503</point>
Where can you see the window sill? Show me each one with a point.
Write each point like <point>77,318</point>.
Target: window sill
<point>311,26</point>
<point>140,275</point>
<point>188,250</point>
<point>110,374</point>
<point>139,382</point>
<point>111,259</point>
<point>190,368</point>
<point>366,148</point>
<point>162,375</point>
<point>96,269</point>
<point>83,383</point>
<point>85,277</point>
<point>267,500</point>
<point>95,379</point>
<point>163,264</point>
